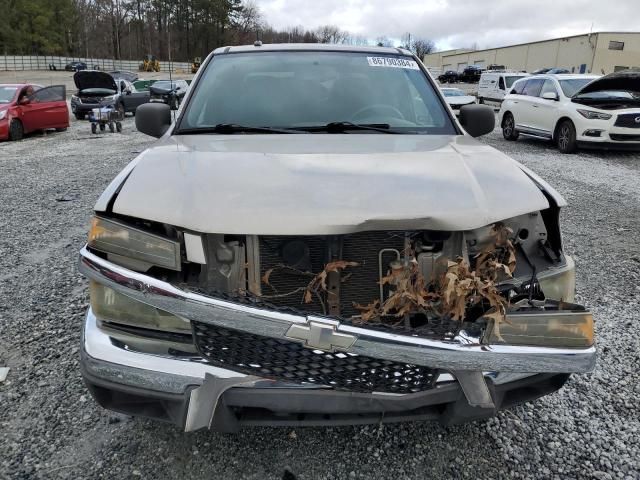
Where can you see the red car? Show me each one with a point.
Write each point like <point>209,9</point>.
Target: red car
<point>25,108</point>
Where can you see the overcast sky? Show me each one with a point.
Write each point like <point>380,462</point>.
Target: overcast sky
<point>458,23</point>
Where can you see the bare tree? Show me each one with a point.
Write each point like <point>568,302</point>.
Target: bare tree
<point>247,22</point>
<point>422,47</point>
<point>384,42</point>
<point>331,34</point>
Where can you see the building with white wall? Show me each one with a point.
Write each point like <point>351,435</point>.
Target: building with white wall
<point>602,52</point>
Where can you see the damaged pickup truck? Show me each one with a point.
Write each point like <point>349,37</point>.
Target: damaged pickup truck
<point>317,240</point>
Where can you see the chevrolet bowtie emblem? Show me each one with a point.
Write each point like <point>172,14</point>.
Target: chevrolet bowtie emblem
<point>321,335</point>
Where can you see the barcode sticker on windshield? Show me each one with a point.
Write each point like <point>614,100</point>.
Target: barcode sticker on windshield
<point>391,62</point>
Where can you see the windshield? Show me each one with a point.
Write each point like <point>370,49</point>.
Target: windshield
<point>453,92</point>
<point>7,94</point>
<point>509,80</point>
<point>570,87</point>
<point>289,90</point>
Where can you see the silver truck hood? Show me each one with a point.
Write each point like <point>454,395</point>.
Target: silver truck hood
<point>323,184</point>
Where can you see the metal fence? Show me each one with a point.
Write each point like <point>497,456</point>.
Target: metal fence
<point>46,62</point>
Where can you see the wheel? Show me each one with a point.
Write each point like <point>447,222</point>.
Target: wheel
<point>509,128</point>
<point>112,127</point>
<point>80,116</point>
<point>16,130</point>
<point>566,137</point>
<point>94,128</point>
<point>118,127</point>
<point>102,127</point>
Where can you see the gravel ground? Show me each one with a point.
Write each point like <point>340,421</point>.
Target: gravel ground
<point>51,429</point>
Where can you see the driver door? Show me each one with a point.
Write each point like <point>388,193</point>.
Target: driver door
<point>45,108</point>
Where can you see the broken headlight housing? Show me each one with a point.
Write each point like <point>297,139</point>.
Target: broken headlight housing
<point>132,247</point>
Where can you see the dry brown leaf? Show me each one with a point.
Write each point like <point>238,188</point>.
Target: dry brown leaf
<point>266,276</point>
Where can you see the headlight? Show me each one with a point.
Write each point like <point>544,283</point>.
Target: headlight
<point>591,115</point>
<point>556,329</point>
<point>3,114</point>
<point>111,306</point>
<point>75,98</point>
<point>559,283</point>
<point>108,99</point>
<point>138,249</point>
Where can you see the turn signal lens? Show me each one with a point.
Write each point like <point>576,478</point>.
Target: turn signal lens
<point>544,329</point>
<point>121,240</point>
<point>111,306</point>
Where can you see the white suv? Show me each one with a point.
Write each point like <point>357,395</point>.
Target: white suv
<point>575,110</point>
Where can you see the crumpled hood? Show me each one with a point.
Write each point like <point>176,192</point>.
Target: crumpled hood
<point>628,80</point>
<point>323,184</point>
<point>93,79</point>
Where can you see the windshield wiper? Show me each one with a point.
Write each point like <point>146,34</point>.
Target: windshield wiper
<point>341,127</point>
<point>231,128</point>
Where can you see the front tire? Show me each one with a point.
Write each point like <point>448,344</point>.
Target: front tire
<point>16,130</point>
<point>566,137</point>
<point>509,128</point>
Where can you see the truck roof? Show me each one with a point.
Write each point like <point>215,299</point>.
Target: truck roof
<point>318,47</point>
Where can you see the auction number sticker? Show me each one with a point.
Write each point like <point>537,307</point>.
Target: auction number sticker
<point>392,62</point>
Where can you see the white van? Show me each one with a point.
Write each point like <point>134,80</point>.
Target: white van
<point>494,86</point>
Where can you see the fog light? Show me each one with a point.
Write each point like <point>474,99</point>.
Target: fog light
<point>544,329</point>
<point>592,133</point>
<point>111,306</point>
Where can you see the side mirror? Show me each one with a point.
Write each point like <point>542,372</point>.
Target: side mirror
<point>153,119</point>
<point>128,91</point>
<point>25,101</point>
<point>477,120</point>
<point>550,96</point>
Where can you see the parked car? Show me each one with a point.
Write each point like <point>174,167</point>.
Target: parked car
<point>171,92</point>
<point>457,99</point>
<point>471,74</point>
<point>575,110</point>
<point>75,66</point>
<point>325,247</point>
<point>550,71</point>
<point>25,108</point>
<point>493,86</point>
<point>556,71</point>
<point>450,76</point>
<point>101,89</point>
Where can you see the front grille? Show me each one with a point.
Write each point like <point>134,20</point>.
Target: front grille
<point>628,120</point>
<point>359,284</point>
<point>281,359</point>
<point>618,137</point>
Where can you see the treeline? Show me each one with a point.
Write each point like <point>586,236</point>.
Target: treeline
<point>130,29</point>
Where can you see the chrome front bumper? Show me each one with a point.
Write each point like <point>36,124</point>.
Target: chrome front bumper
<point>464,353</point>
<point>195,395</point>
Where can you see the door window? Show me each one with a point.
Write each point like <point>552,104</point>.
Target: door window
<point>533,87</point>
<point>518,87</point>
<point>56,93</point>
<point>548,86</point>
